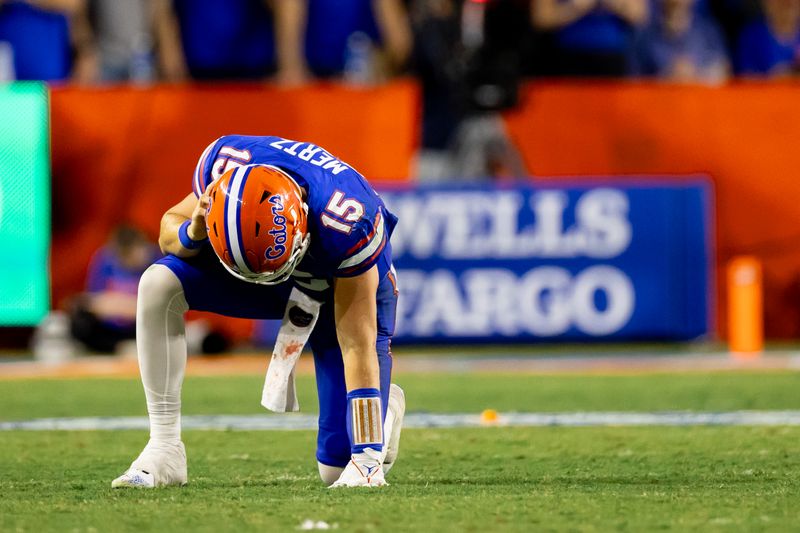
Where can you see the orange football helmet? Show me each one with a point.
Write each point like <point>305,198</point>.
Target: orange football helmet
<point>257,223</point>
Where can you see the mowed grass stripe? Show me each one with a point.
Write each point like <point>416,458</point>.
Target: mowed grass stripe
<point>439,393</point>
<point>473,479</point>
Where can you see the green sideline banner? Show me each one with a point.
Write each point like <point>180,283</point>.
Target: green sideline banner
<point>24,204</point>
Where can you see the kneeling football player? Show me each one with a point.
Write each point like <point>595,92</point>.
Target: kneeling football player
<point>280,216</point>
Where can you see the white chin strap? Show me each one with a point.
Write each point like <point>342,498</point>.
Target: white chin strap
<point>275,276</point>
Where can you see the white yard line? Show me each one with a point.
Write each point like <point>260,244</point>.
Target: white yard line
<point>424,420</point>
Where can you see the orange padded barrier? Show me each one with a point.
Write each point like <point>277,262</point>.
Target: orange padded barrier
<point>744,135</point>
<point>127,154</point>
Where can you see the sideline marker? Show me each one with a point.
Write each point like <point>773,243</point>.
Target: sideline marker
<point>745,308</point>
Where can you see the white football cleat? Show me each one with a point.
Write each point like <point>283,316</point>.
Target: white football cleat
<point>134,478</point>
<point>363,470</point>
<point>394,425</point>
<point>159,465</point>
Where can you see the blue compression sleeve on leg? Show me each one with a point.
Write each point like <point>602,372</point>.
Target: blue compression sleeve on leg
<point>364,420</point>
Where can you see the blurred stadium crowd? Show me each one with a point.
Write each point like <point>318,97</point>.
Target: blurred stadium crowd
<point>469,55</point>
<point>366,41</point>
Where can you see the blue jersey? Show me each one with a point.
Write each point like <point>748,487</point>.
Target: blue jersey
<point>326,43</point>
<point>226,39</point>
<point>347,220</point>
<point>39,39</point>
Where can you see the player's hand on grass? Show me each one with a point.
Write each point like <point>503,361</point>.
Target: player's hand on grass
<point>197,227</point>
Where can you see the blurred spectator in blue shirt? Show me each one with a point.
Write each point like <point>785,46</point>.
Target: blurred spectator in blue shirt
<point>326,38</point>
<point>681,44</point>
<point>106,313</point>
<point>590,37</point>
<point>43,36</point>
<point>770,46</point>
<point>226,39</point>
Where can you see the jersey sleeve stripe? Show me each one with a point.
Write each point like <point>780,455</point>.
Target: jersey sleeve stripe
<point>373,244</point>
<point>200,169</point>
<point>360,244</point>
<point>366,261</point>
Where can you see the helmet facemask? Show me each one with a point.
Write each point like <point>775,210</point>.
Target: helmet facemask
<point>300,245</point>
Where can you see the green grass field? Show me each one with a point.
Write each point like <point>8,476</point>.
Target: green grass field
<point>484,479</point>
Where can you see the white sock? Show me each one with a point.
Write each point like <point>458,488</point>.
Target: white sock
<point>161,346</point>
<point>329,474</point>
